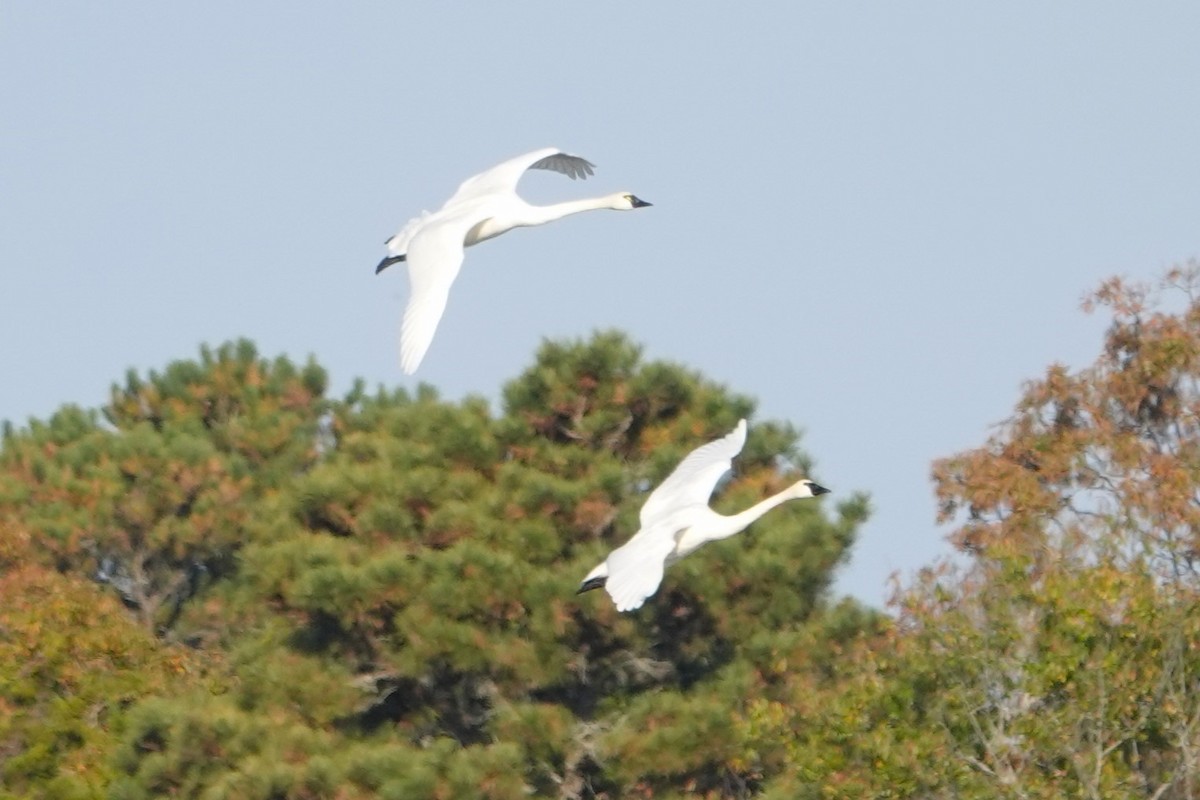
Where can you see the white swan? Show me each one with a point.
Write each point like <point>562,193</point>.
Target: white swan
<point>676,519</point>
<point>484,207</point>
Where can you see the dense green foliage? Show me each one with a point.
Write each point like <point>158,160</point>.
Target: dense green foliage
<point>258,591</point>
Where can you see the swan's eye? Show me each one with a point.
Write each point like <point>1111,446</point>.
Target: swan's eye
<point>629,197</point>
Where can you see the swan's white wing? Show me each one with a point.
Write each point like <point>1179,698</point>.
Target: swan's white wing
<point>435,254</point>
<point>503,177</point>
<point>635,569</point>
<point>694,479</point>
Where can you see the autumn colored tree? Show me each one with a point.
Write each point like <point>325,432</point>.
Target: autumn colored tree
<point>1082,520</point>
<point>1057,657</point>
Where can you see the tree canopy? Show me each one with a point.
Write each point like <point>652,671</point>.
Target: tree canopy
<point>1057,655</point>
<point>228,584</point>
<point>374,596</point>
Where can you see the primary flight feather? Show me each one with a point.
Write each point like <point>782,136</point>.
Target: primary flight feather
<point>484,207</point>
<point>676,520</point>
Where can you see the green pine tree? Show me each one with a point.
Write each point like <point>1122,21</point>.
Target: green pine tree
<point>386,583</point>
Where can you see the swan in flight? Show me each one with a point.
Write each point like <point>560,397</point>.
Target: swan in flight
<point>676,519</point>
<point>484,207</point>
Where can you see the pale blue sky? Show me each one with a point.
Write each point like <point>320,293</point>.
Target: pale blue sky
<point>878,219</point>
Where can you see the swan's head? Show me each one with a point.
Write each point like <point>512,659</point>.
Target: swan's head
<point>807,488</point>
<point>624,201</point>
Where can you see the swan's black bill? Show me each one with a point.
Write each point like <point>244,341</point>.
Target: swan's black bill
<point>817,489</point>
<point>638,202</point>
<point>594,583</point>
<point>387,262</point>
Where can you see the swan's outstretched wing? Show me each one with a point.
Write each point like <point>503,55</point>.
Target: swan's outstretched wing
<point>503,177</point>
<point>693,481</point>
<point>435,254</point>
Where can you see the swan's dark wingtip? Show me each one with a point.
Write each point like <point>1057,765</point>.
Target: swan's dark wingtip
<point>593,583</point>
<point>387,262</point>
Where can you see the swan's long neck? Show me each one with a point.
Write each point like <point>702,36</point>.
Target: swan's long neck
<point>519,214</point>
<point>723,527</point>
<point>540,215</point>
<point>737,523</point>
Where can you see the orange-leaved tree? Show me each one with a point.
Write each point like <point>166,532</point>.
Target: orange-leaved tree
<point>1058,655</point>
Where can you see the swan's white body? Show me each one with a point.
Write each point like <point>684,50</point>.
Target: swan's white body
<point>484,207</point>
<point>676,519</point>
